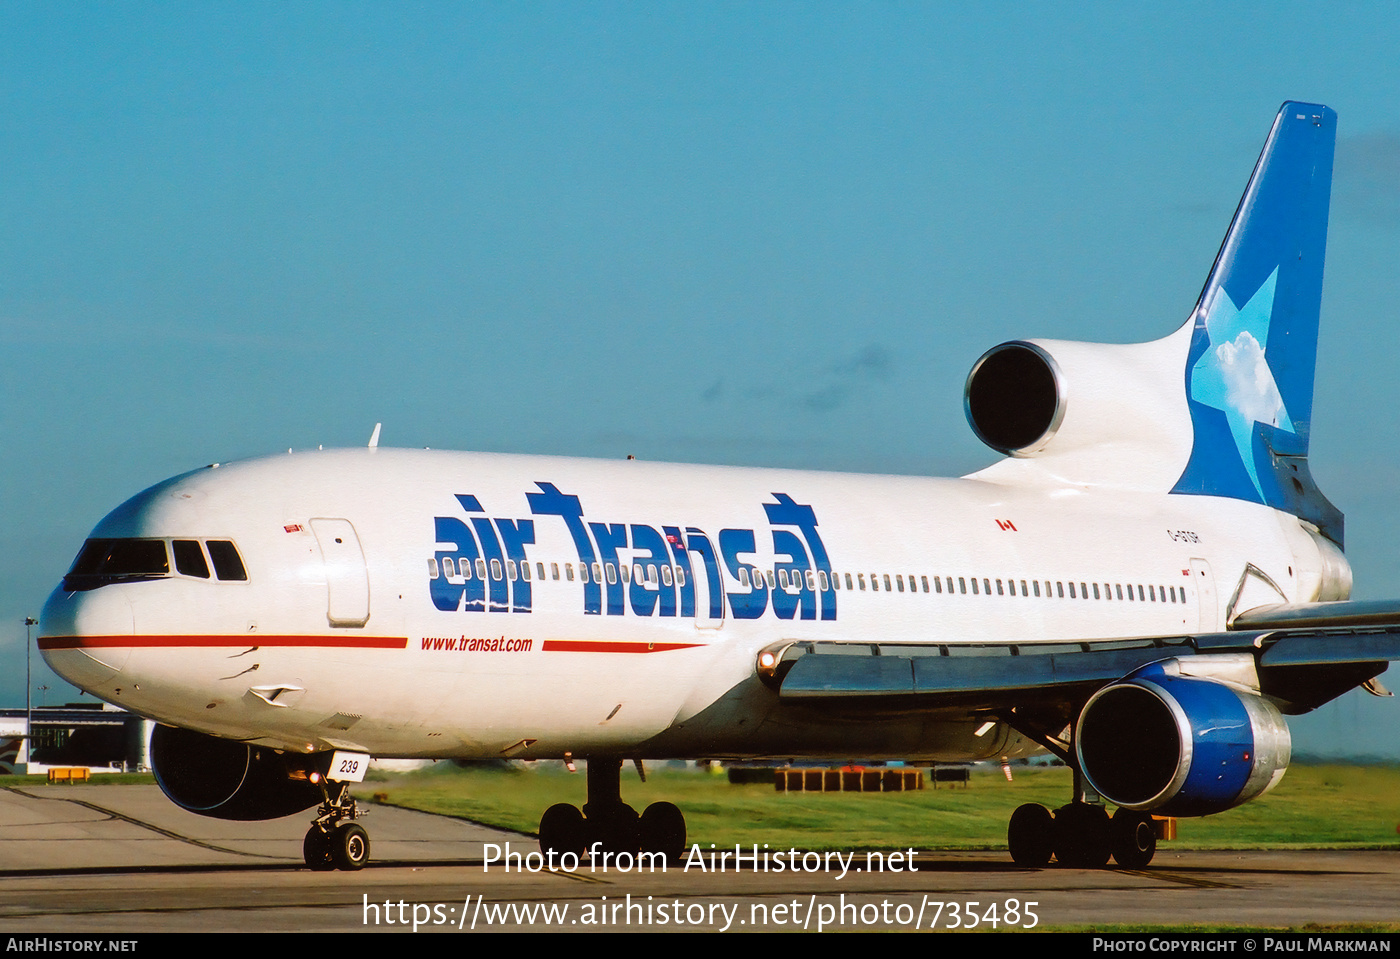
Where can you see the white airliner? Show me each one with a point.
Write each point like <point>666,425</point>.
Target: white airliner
<point>1144,586</point>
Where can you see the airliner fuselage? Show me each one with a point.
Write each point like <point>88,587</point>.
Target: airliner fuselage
<point>433,604</point>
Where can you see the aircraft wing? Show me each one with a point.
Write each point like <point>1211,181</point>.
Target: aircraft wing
<point>1301,668</point>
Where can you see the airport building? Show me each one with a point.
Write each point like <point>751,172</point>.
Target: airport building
<point>93,735</point>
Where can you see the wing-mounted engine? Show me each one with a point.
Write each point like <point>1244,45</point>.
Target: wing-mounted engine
<point>1087,413</point>
<point>1179,745</point>
<point>225,779</point>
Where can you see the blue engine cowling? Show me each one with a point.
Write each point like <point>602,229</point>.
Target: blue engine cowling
<point>1180,746</point>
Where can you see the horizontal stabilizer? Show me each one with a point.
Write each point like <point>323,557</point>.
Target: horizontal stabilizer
<point>1384,612</point>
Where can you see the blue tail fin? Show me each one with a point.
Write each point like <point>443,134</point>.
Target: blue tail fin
<point>1249,371</point>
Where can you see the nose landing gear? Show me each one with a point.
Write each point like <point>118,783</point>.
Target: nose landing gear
<point>334,840</point>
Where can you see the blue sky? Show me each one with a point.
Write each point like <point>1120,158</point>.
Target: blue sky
<point>752,233</point>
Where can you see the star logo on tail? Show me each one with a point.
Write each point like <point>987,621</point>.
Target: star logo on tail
<point>1233,374</point>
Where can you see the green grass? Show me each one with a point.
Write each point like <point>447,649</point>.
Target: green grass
<point>101,779</point>
<point>1333,807</point>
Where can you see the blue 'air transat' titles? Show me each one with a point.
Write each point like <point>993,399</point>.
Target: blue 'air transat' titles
<point>481,554</point>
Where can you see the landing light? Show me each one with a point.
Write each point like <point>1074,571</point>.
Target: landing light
<point>768,661</point>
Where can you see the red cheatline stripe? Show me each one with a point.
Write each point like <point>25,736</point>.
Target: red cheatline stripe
<point>242,640</point>
<point>584,646</point>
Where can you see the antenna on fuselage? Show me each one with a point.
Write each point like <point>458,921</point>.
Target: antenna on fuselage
<point>374,437</point>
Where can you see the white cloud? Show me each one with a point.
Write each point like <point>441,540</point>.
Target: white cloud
<point>1249,383</point>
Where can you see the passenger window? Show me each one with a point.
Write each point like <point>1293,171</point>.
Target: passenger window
<point>432,567</point>
<point>510,570</point>
<point>974,586</point>
<point>496,569</point>
<point>611,570</point>
<point>744,577</point>
<point>481,569</point>
<point>228,565</point>
<point>666,576</point>
<point>861,577</point>
<point>899,581</point>
<point>962,585</point>
<point>1036,584</point>
<point>449,567</point>
<point>1000,591</point>
<point>554,568</point>
<point>680,577</point>
<point>848,582</point>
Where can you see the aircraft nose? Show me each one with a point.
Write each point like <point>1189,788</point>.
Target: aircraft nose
<point>86,636</point>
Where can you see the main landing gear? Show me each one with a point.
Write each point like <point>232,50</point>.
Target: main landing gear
<point>1080,835</point>
<point>607,825</point>
<point>334,840</point>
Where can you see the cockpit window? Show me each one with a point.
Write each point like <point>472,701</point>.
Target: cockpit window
<point>189,558</point>
<point>227,563</point>
<point>102,562</point>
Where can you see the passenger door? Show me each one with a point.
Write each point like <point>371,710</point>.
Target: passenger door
<point>347,579</point>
